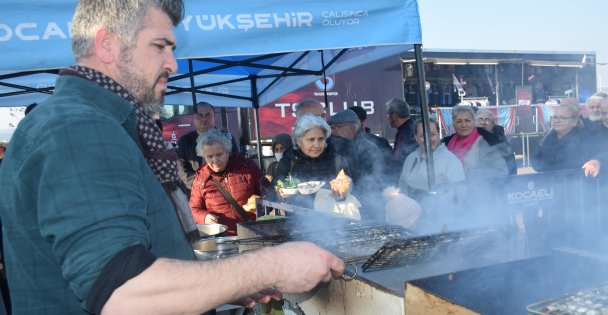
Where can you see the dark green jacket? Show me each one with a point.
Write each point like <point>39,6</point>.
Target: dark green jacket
<point>76,190</point>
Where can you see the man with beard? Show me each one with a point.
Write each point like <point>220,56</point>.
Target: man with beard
<point>92,224</point>
<point>592,125</point>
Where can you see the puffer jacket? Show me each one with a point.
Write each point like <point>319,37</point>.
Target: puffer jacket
<point>304,168</point>
<point>242,179</point>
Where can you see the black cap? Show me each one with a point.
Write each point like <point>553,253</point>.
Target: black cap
<point>361,113</point>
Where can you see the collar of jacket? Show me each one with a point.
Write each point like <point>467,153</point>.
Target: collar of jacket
<point>489,137</point>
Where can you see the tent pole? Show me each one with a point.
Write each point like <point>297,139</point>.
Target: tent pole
<point>425,117</point>
<point>192,86</point>
<point>256,120</point>
<point>325,84</point>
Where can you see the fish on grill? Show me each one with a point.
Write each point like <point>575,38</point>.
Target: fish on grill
<point>585,302</point>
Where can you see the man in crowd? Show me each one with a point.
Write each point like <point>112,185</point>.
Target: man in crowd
<point>365,160</point>
<point>593,123</point>
<point>398,115</point>
<point>380,142</point>
<point>485,119</point>
<point>604,108</point>
<point>188,161</point>
<point>310,106</point>
<point>91,225</point>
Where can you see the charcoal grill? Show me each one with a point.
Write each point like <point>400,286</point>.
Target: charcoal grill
<point>380,291</point>
<point>421,249</point>
<point>510,287</point>
<point>589,302</point>
<point>352,241</point>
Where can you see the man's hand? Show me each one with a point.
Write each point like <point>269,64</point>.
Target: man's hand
<point>302,265</point>
<point>592,167</point>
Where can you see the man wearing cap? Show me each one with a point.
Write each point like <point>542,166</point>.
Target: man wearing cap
<point>365,159</point>
<point>382,144</point>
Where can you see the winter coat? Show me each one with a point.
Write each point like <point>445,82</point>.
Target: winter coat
<point>569,152</point>
<point>187,159</point>
<point>323,168</point>
<point>242,179</point>
<point>486,158</point>
<point>405,143</point>
<point>448,168</point>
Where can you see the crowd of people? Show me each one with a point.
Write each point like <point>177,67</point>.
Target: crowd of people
<point>103,181</point>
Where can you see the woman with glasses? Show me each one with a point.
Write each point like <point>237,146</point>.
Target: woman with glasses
<point>485,119</point>
<point>565,146</point>
<point>480,151</point>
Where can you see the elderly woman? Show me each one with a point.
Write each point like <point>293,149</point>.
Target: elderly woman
<point>414,179</point>
<point>310,159</point>
<point>566,146</point>
<point>239,177</point>
<point>480,151</point>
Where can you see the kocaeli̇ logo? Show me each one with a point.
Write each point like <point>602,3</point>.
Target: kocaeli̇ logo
<point>531,194</point>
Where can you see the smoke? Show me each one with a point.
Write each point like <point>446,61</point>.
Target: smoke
<point>545,238</point>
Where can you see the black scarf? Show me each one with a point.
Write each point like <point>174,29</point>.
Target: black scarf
<point>161,160</point>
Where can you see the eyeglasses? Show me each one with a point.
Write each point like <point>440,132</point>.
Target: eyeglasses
<point>486,120</point>
<point>561,118</point>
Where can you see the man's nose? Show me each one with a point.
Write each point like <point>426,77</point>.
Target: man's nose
<point>170,63</point>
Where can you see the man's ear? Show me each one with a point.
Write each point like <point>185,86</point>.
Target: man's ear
<point>106,46</point>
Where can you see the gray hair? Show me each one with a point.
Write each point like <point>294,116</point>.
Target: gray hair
<point>398,106</point>
<point>462,109</point>
<point>300,106</point>
<point>485,111</point>
<point>594,99</point>
<point>573,110</point>
<point>122,17</point>
<point>307,122</point>
<point>211,137</point>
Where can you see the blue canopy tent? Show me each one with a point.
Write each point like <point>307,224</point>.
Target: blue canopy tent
<point>282,45</point>
<point>274,46</point>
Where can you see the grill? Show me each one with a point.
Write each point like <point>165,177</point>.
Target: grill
<point>352,241</point>
<point>422,249</point>
<point>589,302</point>
<point>516,287</point>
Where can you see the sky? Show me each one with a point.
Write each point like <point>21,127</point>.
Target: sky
<point>531,25</point>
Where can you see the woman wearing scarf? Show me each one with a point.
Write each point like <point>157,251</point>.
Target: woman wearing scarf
<point>479,151</point>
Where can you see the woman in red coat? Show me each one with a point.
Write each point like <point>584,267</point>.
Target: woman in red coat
<point>239,176</point>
